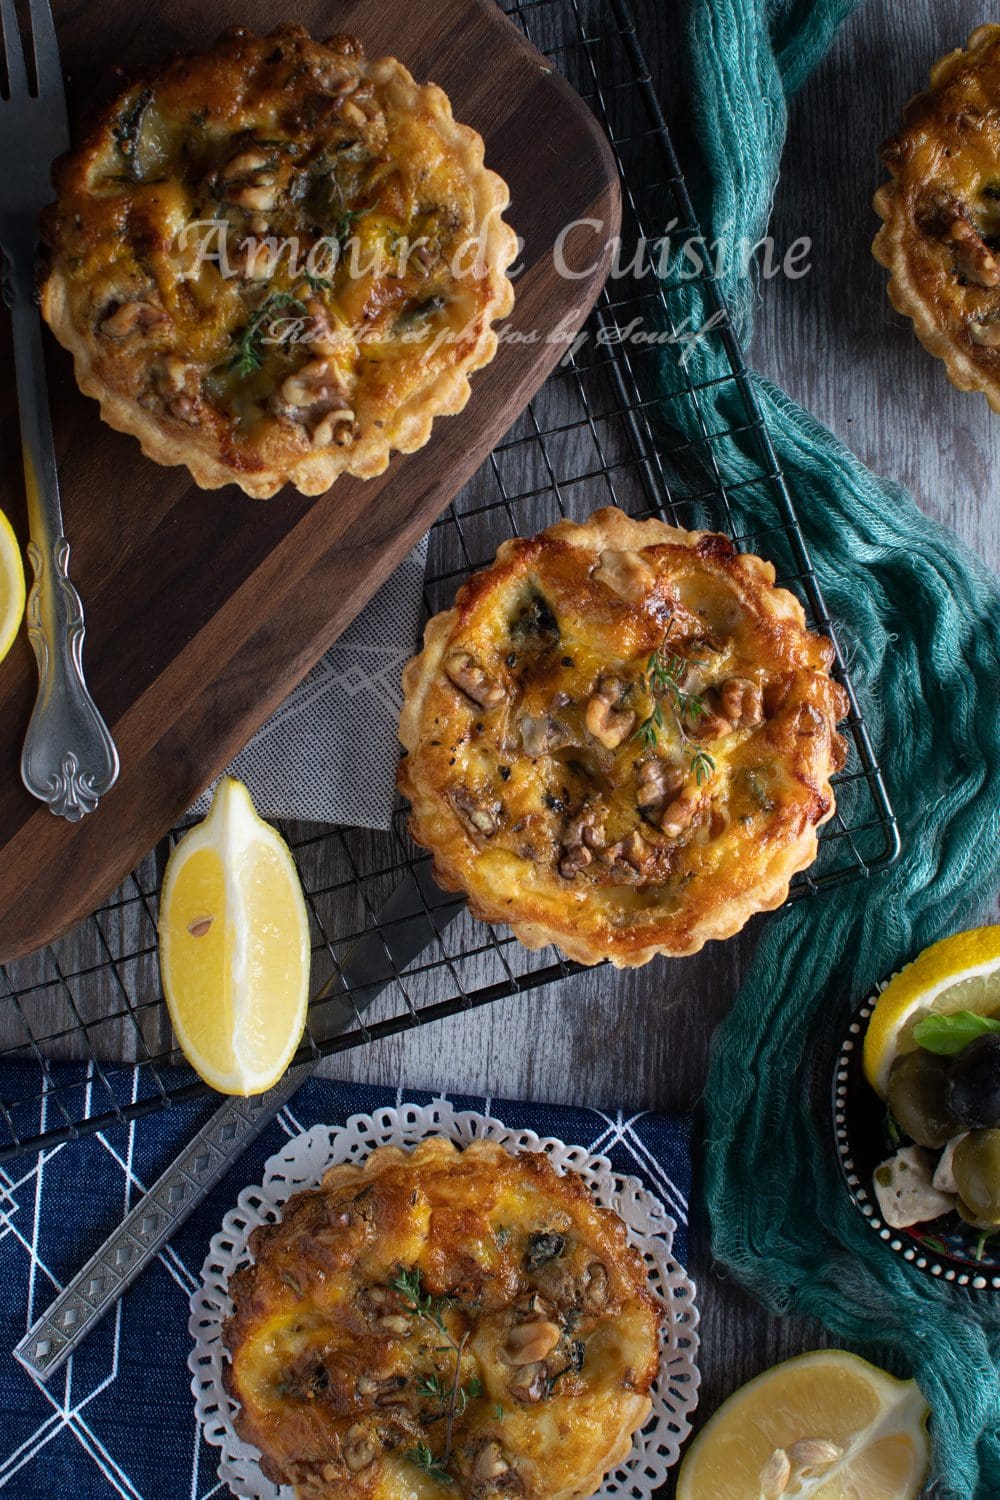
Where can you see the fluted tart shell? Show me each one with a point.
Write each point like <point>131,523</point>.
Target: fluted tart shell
<point>344,296</point>
<point>941,209</point>
<point>345,1336</point>
<point>620,739</point>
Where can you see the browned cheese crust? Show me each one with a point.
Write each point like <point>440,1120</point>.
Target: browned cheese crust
<point>443,1324</point>
<point>941,236</point>
<point>286,370</point>
<point>620,740</point>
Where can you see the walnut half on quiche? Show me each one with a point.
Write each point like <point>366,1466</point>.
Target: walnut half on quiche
<point>941,235</point>
<point>277,261</point>
<point>443,1324</point>
<point>621,739</point>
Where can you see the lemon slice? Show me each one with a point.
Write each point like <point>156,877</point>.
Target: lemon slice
<point>234,946</point>
<point>959,973</point>
<point>825,1425</point>
<point>11,586</point>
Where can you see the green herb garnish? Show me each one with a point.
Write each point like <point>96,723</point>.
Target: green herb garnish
<point>662,681</point>
<point>318,283</point>
<point>703,767</point>
<point>949,1035</point>
<point>249,354</point>
<point>423,1456</point>
<point>451,1393</point>
<point>345,225</point>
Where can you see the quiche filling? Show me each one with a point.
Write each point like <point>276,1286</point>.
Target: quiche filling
<point>941,237</point>
<point>284,255</point>
<point>618,735</point>
<point>443,1323</point>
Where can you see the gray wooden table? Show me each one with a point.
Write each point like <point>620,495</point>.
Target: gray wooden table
<point>832,341</point>
<point>641,1039</point>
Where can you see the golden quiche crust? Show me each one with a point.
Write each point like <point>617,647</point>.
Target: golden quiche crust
<point>620,739</point>
<point>365,240</point>
<point>941,235</point>
<point>438,1271</point>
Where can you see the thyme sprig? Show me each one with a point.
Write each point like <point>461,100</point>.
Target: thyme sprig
<point>703,767</point>
<point>317,284</point>
<point>451,1393</point>
<point>344,227</point>
<point>249,354</point>
<point>662,680</point>
<point>423,1456</point>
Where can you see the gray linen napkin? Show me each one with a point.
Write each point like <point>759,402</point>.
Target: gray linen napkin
<point>329,753</point>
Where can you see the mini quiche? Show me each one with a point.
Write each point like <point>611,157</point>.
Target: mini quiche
<point>277,261</point>
<point>941,236</point>
<point>621,738</point>
<point>443,1324</point>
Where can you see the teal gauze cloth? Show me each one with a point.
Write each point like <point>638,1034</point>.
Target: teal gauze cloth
<point>919,618</point>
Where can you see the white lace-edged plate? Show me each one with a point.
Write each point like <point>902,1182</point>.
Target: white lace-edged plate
<point>301,1165</point>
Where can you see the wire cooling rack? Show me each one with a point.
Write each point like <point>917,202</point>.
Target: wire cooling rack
<point>599,432</point>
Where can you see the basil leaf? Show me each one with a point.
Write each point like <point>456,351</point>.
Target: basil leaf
<point>949,1035</point>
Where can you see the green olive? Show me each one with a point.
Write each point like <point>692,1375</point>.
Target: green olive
<point>918,1098</point>
<point>965,1212</point>
<point>977,1176</point>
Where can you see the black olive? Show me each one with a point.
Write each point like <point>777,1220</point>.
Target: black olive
<point>974,1091</point>
<point>918,1098</point>
<point>542,1248</point>
<point>535,626</point>
<point>576,1353</point>
<point>415,311</point>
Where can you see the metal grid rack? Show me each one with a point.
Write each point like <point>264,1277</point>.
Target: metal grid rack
<point>600,431</point>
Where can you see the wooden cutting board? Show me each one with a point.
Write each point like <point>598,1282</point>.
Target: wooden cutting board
<point>204,608</point>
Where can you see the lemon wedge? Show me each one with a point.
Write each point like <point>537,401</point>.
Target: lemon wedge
<point>234,946</point>
<point>826,1425</point>
<point>961,972</point>
<point>11,586</point>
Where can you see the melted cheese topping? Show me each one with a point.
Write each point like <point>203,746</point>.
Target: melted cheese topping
<point>941,239</point>
<point>621,738</point>
<point>345,1385</point>
<point>359,226</point>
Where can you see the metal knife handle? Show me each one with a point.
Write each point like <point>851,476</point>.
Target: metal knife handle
<point>148,1226</point>
<point>69,758</point>
<point>404,928</point>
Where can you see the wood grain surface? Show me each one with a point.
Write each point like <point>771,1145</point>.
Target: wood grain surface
<point>641,1039</point>
<point>205,609</point>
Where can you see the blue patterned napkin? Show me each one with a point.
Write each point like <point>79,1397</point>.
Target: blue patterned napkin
<point>118,1419</point>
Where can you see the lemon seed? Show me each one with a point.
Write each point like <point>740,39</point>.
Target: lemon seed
<point>775,1476</point>
<point>814,1453</point>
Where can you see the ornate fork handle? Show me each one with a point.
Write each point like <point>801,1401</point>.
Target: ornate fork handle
<point>69,758</point>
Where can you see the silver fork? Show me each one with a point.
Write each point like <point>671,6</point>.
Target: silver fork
<point>69,758</point>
